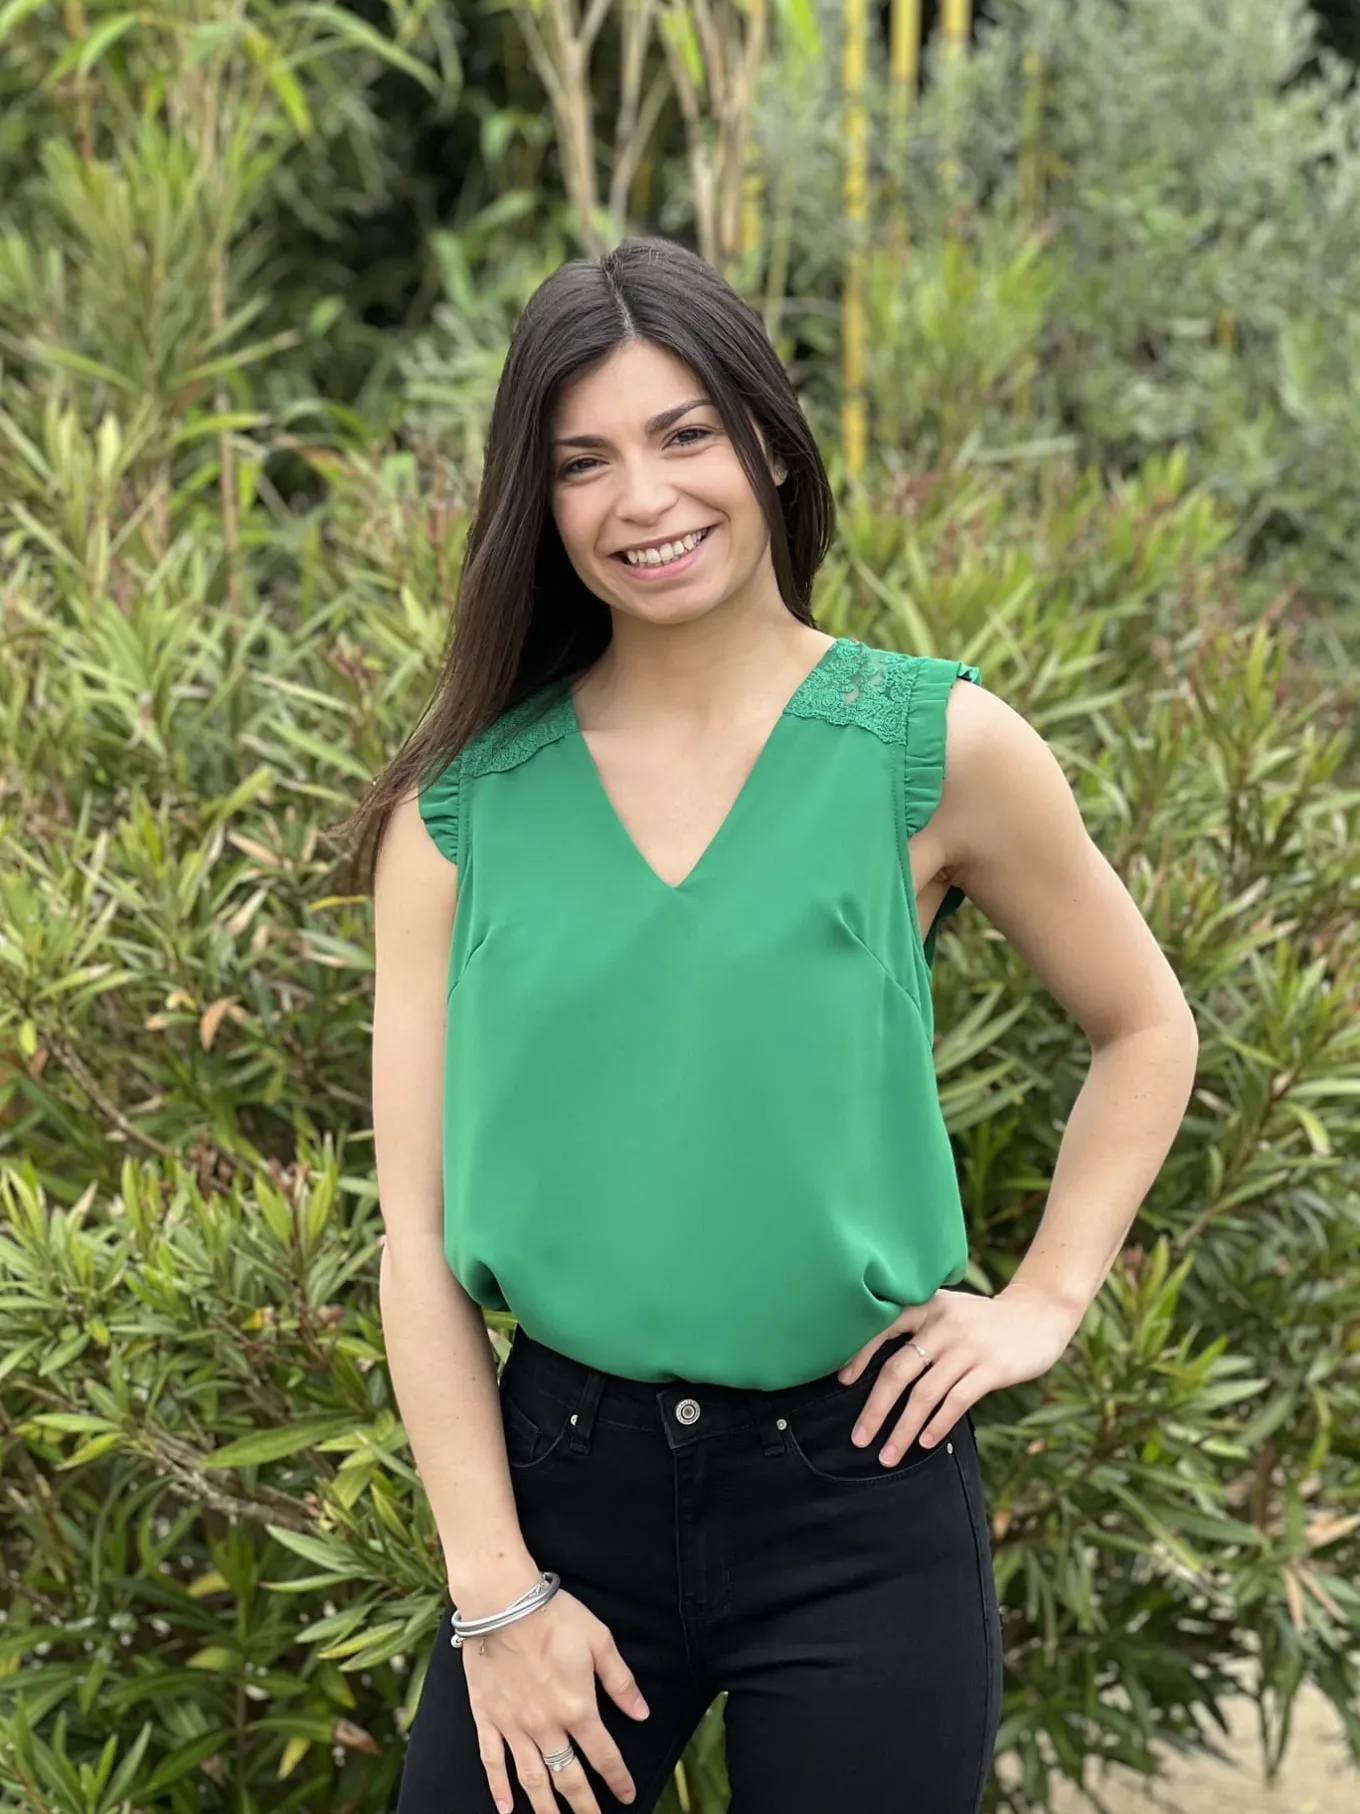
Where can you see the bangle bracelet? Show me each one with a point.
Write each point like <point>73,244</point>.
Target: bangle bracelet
<point>538,1595</point>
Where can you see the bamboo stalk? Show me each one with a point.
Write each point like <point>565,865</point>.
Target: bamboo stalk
<point>904,74</point>
<point>855,193</point>
<point>956,22</point>
<point>562,61</point>
<point>956,18</point>
<point>636,117</point>
<point>714,49</point>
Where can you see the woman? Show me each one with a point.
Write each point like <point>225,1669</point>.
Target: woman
<point>652,1070</point>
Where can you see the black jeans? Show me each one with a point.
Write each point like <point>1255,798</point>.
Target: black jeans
<point>738,1540</point>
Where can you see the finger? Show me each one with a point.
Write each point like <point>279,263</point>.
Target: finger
<point>925,1401</point>
<point>960,1399</point>
<point>618,1679</point>
<point>907,1324</point>
<point>856,1364</point>
<point>593,1741</point>
<point>491,1749</point>
<point>536,1779</point>
<point>895,1376</point>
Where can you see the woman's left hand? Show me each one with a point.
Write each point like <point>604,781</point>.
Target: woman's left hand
<point>975,1344</point>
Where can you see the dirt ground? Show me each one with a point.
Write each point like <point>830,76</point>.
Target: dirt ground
<point>1317,1777</point>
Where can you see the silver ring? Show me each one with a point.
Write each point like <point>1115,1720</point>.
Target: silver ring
<point>921,1351</point>
<point>558,1760</point>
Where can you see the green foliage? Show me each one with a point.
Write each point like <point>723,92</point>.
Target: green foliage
<point>202,1448</point>
<point>1202,283</point>
<point>221,1576</point>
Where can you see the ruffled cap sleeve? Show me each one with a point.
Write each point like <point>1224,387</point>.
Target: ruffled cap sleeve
<point>438,797</point>
<point>924,760</point>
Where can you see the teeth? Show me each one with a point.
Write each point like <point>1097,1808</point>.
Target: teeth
<point>668,551</point>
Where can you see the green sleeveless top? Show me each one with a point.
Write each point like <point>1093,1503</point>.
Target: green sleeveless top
<point>694,1131</point>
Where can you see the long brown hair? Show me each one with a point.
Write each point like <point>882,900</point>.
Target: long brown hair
<point>522,617</point>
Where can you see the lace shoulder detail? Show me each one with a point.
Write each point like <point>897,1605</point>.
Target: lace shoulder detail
<point>504,743</point>
<point>856,684</point>
<point>525,728</point>
<point>902,699</point>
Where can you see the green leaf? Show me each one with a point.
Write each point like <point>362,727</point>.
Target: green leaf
<point>359,36</point>
<point>84,53</point>
<point>15,13</point>
<point>328,1555</point>
<point>183,1760</point>
<point>276,1445</point>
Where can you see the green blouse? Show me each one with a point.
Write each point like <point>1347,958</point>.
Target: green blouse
<point>693,1131</point>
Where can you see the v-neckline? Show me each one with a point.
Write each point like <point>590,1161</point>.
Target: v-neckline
<point>574,725</point>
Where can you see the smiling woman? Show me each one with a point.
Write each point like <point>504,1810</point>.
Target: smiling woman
<point>660,502</point>
<point>653,1072</point>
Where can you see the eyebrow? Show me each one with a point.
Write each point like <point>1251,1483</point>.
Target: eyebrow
<point>654,425</point>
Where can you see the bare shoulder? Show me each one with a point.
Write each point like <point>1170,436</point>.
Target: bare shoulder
<point>415,886</point>
<point>1012,837</point>
<point>1002,780</point>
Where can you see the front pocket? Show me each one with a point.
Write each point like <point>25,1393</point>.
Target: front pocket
<point>527,1443</point>
<point>820,1438</point>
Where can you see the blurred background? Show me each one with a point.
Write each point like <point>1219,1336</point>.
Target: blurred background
<point>1069,290</point>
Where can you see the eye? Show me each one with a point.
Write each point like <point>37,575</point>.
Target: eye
<point>571,469</point>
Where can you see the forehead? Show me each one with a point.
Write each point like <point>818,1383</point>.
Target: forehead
<point>634,382</point>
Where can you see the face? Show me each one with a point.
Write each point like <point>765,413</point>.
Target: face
<point>640,483</point>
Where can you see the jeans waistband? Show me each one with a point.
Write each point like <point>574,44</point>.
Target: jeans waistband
<point>635,1401</point>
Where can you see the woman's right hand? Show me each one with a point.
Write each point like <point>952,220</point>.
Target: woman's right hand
<point>534,1691</point>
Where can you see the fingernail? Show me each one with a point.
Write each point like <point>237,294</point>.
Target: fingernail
<point>641,1706</point>
<point>859,1434</point>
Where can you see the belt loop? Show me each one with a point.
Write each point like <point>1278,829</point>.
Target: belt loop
<point>771,1435</point>
<point>583,1418</point>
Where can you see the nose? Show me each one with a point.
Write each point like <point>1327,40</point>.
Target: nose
<point>646,496</point>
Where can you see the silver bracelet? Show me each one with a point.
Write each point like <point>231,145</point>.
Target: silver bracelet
<point>538,1595</point>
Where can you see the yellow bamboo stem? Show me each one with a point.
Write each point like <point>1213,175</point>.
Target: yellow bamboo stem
<point>904,73</point>
<point>854,436</point>
<point>956,18</point>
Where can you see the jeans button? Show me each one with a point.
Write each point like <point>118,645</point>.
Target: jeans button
<point>687,1410</point>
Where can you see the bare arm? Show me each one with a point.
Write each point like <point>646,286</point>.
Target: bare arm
<point>1016,843</point>
<point>1012,837</point>
<point>438,1354</point>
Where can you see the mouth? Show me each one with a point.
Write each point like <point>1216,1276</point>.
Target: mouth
<point>648,568</point>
